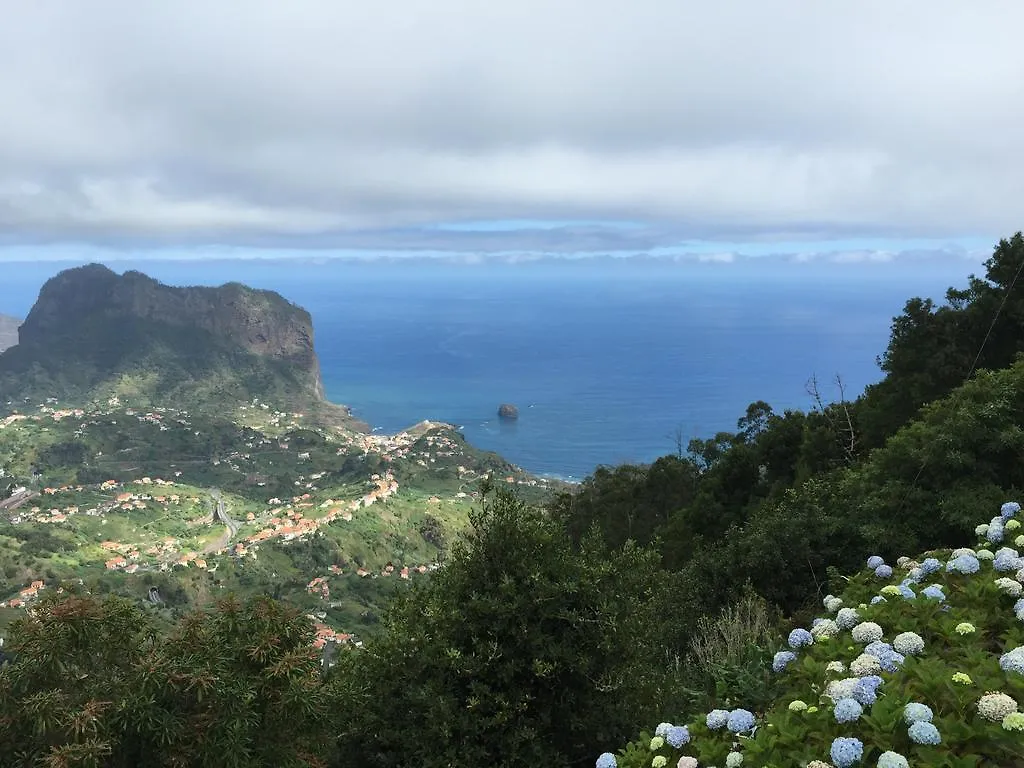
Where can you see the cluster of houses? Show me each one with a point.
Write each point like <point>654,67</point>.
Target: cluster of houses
<point>26,596</point>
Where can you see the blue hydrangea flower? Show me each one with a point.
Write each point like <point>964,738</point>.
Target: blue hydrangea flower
<point>883,571</point>
<point>930,566</point>
<point>1013,661</point>
<point>816,622</point>
<point>677,736</point>
<point>874,561</point>
<point>1009,509</point>
<point>994,533</point>
<point>847,710</point>
<point>1005,562</point>
<point>933,592</point>
<point>886,655</point>
<point>878,599</point>
<point>782,660</point>
<point>917,713</point>
<point>924,733</point>
<point>740,721</point>
<point>799,638</point>
<point>845,752</point>
<point>892,760</point>
<point>906,592</point>
<point>865,692</point>
<point>717,718</point>
<point>607,760</point>
<point>966,564</point>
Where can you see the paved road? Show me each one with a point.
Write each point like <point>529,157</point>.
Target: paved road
<point>220,515</point>
<point>17,500</point>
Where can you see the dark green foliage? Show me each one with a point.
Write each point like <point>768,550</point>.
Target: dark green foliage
<point>93,685</point>
<point>521,651</point>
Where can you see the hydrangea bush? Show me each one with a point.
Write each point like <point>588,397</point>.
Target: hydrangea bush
<point>920,663</point>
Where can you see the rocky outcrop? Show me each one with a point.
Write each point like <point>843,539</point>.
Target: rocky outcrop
<point>91,326</point>
<point>508,412</point>
<point>8,332</point>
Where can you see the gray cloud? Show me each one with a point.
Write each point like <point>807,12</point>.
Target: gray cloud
<point>328,123</point>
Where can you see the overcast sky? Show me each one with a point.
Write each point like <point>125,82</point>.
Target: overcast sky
<point>560,126</point>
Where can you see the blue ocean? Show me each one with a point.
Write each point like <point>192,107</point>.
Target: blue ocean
<point>606,362</point>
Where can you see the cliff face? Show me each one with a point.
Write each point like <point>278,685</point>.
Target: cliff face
<point>8,331</point>
<point>90,326</point>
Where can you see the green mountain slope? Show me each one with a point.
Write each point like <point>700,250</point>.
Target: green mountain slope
<point>94,334</point>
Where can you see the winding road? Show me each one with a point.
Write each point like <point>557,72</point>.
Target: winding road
<point>220,515</point>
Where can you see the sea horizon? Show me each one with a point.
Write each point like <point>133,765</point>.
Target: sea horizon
<point>606,364</point>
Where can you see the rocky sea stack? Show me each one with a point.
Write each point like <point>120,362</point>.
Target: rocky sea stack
<point>508,412</point>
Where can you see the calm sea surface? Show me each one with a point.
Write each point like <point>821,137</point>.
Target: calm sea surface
<point>606,363</point>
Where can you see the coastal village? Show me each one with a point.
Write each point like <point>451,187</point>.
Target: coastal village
<point>121,523</point>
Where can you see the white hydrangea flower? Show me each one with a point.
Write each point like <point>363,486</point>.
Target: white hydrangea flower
<point>900,562</point>
<point>981,530</point>
<point>1012,524</point>
<point>962,551</point>
<point>824,629</point>
<point>908,643</point>
<point>867,632</point>
<point>985,554</point>
<point>995,706</point>
<point>1010,587</point>
<point>910,565</point>
<point>1019,541</point>
<point>865,665</point>
<point>842,689</point>
<point>835,667</point>
<point>834,604</point>
<point>847,618</point>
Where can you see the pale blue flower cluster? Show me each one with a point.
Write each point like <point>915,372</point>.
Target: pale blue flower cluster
<point>799,638</point>
<point>892,760</point>
<point>1007,560</point>
<point>874,561</point>
<point>906,592</point>
<point>966,564</point>
<point>883,571</point>
<point>716,719</point>
<point>865,692</point>
<point>782,660</point>
<point>847,710</point>
<point>662,729</point>
<point>1013,661</point>
<point>924,733</point>
<point>740,721</point>
<point>878,599</point>
<point>995,530</point>
<point>845,751</point>
<point>606,760</point>
<point>677,736</point>
<point>886,655</point>
<point>1009,509</point>
<point>917,713</point>
<point>934,592</point>
<point>930,565</point>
